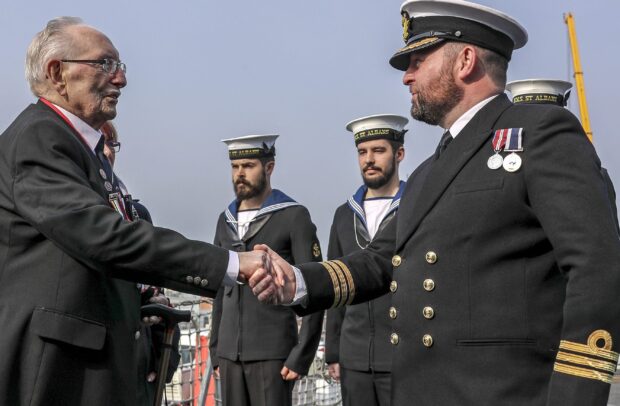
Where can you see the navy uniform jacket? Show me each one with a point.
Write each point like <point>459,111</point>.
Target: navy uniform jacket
<point>243,329</point>
<point>521,271</point>
<point>358,336</point>
<point>69,265</point>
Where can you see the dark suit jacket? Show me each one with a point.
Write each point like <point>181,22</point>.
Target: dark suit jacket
<point>521,261</point>
<point>68,271</point>
<point>357,336</point>
<point>151,340</point>
<point>243,329</point>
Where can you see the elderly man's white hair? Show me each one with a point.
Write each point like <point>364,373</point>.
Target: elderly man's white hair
<point>52,42</point>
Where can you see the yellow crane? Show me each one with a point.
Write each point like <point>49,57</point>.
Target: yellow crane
<point>578,75</point>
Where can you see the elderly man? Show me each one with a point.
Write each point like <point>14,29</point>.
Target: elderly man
<point>70,250</point>
<point>504,262</point>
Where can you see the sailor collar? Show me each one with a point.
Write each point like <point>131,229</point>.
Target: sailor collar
<point>356,202</point>
<point>276,200</point>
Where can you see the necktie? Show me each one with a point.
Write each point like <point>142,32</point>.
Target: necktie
<point>105,163</point>
<point>446,139</point>
<point>118,201</point>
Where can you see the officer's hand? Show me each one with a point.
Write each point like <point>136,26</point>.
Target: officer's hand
<point>216,372</point>
<point>334,371</point>
<point>252,261</point>
<point>289,374</point>
<point>276,284</point>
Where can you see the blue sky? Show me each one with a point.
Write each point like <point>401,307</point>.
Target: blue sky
<point>202,71</point>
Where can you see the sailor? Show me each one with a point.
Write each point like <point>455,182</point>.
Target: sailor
<point>357,346</point>
<point>504,262</point>
<point>552,91</point>
<point>257,346</point>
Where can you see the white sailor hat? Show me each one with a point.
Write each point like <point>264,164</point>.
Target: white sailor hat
<point>380,126</point>
<point>540,91</point>
<point>430,22</point>
<point>251,146</point>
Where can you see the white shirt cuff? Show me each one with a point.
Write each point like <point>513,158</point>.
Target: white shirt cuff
<point>301,293</point>
<point>232,272</point>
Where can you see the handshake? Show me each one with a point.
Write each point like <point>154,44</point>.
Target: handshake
<point>270,277</point>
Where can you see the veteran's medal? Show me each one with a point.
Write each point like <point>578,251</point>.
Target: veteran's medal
<point>514,144</point>
<point>108,186</point>
<point>103,175</point>
<point>499,141</point>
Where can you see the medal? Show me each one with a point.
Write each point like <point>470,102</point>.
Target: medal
<point>108,186</point>
<point>499,141</point>
<point>495,161</point>
<point>512,162</point>
<point>103,175</point>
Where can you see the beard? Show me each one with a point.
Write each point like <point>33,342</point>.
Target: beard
<point>383,178</point>
<point>250,190</point>
<point>438,98</point>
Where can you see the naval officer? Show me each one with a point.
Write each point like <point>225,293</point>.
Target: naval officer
<point>257,346</point>
<point>504,262</point>
<point>553,91</point>
<point>357,347</point>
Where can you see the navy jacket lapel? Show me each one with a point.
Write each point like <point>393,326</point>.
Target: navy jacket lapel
<point>433,179</point>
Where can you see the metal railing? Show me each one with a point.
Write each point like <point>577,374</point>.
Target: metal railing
<point>194,384</point>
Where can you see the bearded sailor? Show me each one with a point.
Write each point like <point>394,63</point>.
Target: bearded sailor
<point>256,347</point>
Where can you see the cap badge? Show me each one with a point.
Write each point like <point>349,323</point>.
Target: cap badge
<point>406,23</point>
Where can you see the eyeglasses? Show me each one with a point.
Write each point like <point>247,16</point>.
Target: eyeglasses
<point>108,65</point>
<point>114,145</point>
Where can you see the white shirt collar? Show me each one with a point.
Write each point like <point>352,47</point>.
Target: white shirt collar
<point>90,135</point>
<point>462,121</point>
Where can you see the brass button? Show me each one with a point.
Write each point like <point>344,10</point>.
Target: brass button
<point>394,338</point>
<point>393,286</point>
<point>393,313</point>
<point>189,279</point>
<point>427,340</point>
<point>204,283</point>
<point>396,260</point>
<point>429,285</point>
<point>197,280</point>
<point>428,312</point>
<point>431,257</point>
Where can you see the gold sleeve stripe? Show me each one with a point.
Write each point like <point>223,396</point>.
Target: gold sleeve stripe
<point>582,372</point>
<point>586,349</point>
<point>335,282</point>
<point>587,361</point>
<point>343,283</point>
<point>349,277</point>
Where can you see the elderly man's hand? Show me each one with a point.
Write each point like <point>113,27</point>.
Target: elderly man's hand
<point>252,261</point>
<point>276,284</point>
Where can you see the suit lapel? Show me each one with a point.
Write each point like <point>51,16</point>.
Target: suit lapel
<point>429,184</point>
